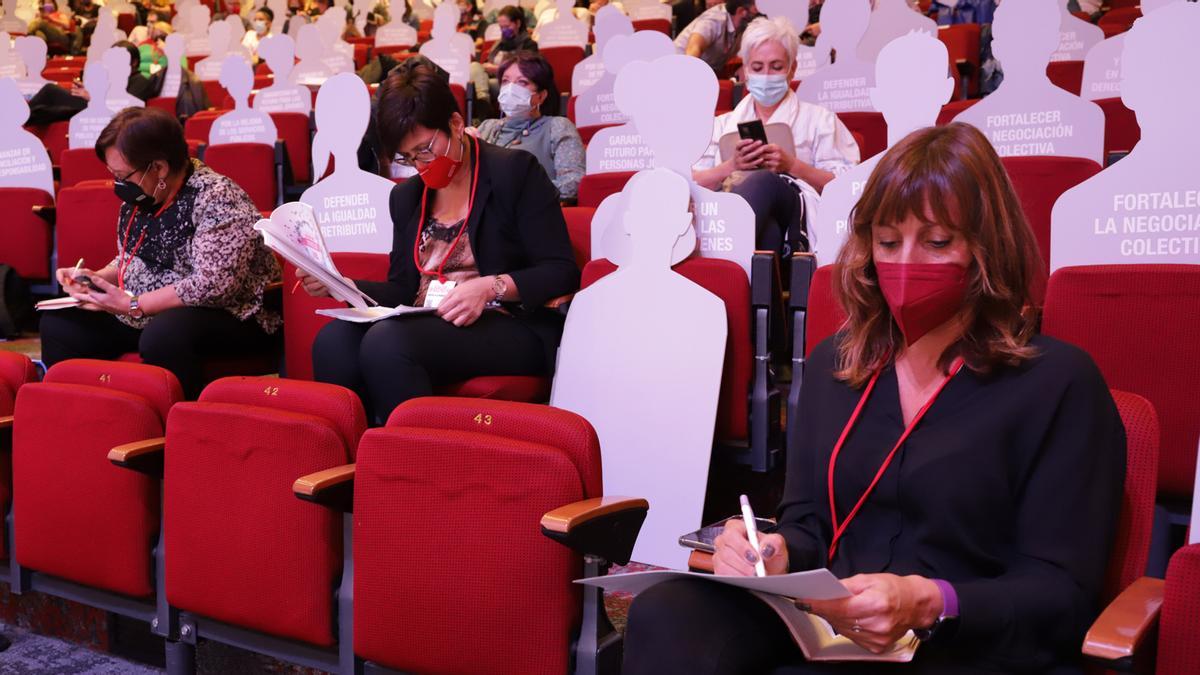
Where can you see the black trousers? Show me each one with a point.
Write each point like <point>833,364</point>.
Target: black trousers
<point>178,339</point>
<point>699,628</point>
<point>778,211</point>
<point>391,361</point>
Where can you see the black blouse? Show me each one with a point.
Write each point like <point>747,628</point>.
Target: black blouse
<point>1009,488</point>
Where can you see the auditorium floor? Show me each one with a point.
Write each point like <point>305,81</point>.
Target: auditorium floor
<point>32,654</point>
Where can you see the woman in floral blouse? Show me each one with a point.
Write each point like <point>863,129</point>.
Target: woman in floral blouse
<point>187,282</point>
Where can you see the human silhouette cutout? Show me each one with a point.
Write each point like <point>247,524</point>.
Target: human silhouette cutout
<point>1143,208</point>
<point>564,30</point>
<point>85,126</point>
<point>1027,114</point>
<point>395,32</point>
<point>32,51</point>
<point>1076,36</point>
<point>842,86</point>
<point>199,18</point>
<point>597,105</point>
<point>242,124</point>
<point>647,375</point>
<point>174,47</point>
<point>610,22</point>
<point>280,9</point>
<point>218,46</point>
<point>11,23</point>
<point>103,36</point>
<point>311,70</point>
<point>283,95</point>
<point>891,19</point>
<point>1102,65</point>
<point>339,54</point>
<point>449,49</point>
<point>116,60</point>
<point>911,86</point>
<point>619,148</point>
<point>10,62</point>
<point>23,159</point>
<point>351,205</point>
<point>237,32</point>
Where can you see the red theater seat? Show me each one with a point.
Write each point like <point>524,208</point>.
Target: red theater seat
<point>252,166</point>
<point>562,61</point>
<point>587,133</point>
<point>164,103</point>
<point>962,46</point>
<point>54,137</point>
<point>15,370</point>
<point>80,164</point>
<point>825,314</point>
<point>214,91</point>
<point>595,187</point>
<point>86,224</point>
<point>1121,129</point>
<point>199,125</point>
<point>26,236</point>
<point>1066,75</point>
<point>871,127</point>
<point>294,131</point>
<point>953,108</point>
<point>1039,182</point>
<point>661,25</point>
<point>579,226</point>
<point>1178,651</point>
<point>1119,20</point>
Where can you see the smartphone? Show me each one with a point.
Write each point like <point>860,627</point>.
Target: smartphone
<point>753,131</point>
<point>86,281</point>
<point>702,539</point>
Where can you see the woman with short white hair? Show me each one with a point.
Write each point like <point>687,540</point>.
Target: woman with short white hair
<point>771,178</point>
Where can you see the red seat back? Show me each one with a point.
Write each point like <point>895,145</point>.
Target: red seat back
<point>164,103</point>
<point>80,164</point>
<point>76,515</point>
<point>250,165</point>
<point>726,280</point>
<point>301,324</point>
<point>1136,323</point>
<point>872,128</point>
<point>199,125</point>
<point>1121,129</point>
<point>562,62</point>
<point>587,133</point>
<point>579,228</point>
<point>1039,182</point>
<point>825,314</point>
<point>447,461</point>
<point>725,100</point>
<point>661,25</point>
<point>1119,20</point>
<point>962,47</point>
<point>1178,650</point>
<point>595,187</point>
<point>87,223</point>
<point>1132,545</point>
<point>15,371</point>
<point>26,236</point>
<point>214,91</point>
<point>54,137</point>
<point>243,549</point>
<point>953,108</point>
<point>293,130</point>
<point>1066,75</point>
<point>460,97</point>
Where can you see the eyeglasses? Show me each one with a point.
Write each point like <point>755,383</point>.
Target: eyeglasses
<point>127,176</point>
<point>424,155</point>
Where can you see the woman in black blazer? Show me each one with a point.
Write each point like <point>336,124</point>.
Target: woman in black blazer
<point>479,226</point>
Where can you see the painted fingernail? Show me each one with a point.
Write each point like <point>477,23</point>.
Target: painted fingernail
<point>768,551</point>
<point>804,607</point>
<point>750,557</point>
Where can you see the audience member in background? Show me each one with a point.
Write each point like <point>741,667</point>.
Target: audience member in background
<point>514,36</point>
<point>84,10</point>
<point>990,531</point>
<point>824,147</point>
<point>964,11</point>
<point>151,49</point>
<point>529,100</point>
<point>713,36</point>
<point>479,225</point>
<point>189,276</point>
<point>53,27</point>
<point>316,8</point>
<point>470,19</point>
<point>137,85</point>
<point>260,28</point>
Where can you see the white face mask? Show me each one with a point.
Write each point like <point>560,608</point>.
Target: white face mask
<point>767,89</point>
<point>260,27</point>
<point>515,100</point>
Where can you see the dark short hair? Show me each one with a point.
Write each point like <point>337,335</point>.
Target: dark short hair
<point>537,70</point>
<point>409,99</point>
<point>732,6</point>
<point>514,14</point>
<point>266,10</point>
<point>145,135</point>
<point>135,55</point>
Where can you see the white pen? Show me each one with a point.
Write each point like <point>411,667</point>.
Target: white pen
<point>752,535</point>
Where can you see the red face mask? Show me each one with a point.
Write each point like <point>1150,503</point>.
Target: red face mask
<point>441,170</point>
<point>922,296</point>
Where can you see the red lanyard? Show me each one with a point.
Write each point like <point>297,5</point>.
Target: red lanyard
<point>123,265</point>
<point>839,530</point>
<point>421,224</point>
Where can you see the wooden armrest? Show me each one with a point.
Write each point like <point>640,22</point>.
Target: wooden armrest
<point>142,456</point>
<point>602,526</point>
<point>700,561</point>
<point>273,287</point>
<point>6,421</point>
<point>333,488</point>
<point>1123,627</point>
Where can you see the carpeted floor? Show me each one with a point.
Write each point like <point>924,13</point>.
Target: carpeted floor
<point>32,654</point>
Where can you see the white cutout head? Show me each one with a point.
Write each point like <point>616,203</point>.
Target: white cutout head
<point>174,47</point>
<point>238,80</point>
<point>889,20</point>
<point>1026,33</point>
<point>104,35</point>
<point>640,46</point>
<point>843,24</point>
<point>445,21</point>
<point>279,51</point>
<point>13,111</point>
<point>95,81</point>
<point>116,60</point>
<point>911,84</point>
<point>670,102</point>
<point>343,111</point>
<point>331,25</point>
<point>199,16</point>
<point>656,214</point>
<point>218,39</point>
<point>237,30</point>
<point>33,55</point>
<point>1161,56</point>
<point>308,43</point>
<point>609,23</point>
<point>794,10</point>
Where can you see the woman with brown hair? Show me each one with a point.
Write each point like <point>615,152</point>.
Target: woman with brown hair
<point>961,474</point>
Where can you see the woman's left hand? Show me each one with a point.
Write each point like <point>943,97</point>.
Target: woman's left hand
<point>464,304</point>
<point>776,159</point>
<point>108,299</point>
<point>883,607</point>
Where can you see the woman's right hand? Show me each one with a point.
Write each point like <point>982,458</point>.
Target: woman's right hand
<point>734,556</point>
<point>66,277</point>
<point>748,155</point>
<point>312,285</point>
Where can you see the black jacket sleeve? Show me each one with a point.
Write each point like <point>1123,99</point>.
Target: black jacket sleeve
<point>550,270</point>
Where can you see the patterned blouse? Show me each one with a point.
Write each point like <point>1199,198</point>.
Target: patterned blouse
<point>436,240</point>
<point>205,244</point>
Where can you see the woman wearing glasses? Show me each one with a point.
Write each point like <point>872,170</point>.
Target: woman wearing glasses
<point>479,228</point>
<point>188,279</point>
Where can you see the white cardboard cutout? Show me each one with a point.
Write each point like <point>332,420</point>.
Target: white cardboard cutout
<point>1028,115</point>
<point>449,49</point>
<point>174,47</point>
<point>396,33</point>
<point>911,86</point>
<point>1102,65</point>
<point>10,62</point>
<point>610,22</point>
<point>295,24</point>
<point>1146,207</point>
<point>351,205</point>
<point>104,36</point>
<point>280,9</point>
<point>361,9</point>
<point>312,69</point>
<point>646,10</point>
<point>116,61</point>
<point>598,104</point>
<point>1076,36</point>
<point>647,375</point>
<point>424,10</point>
<point>237,33</point>
<point>12,21</point>
<point>242,124</point>
<point>339,54</point>
<point>889,20</point>
<point>24,161</point>
<point>85,127</point>
<point>32,51</point>
<point>219,42</point>
<point>182,21</point>
<point>199,17</point>
<point>808,59</point>
<point>564,30</point>
<point>283,95</point>
<point>492,33</point>
<point>843,86</point>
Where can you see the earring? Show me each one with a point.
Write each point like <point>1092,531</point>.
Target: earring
<point>162,185</point>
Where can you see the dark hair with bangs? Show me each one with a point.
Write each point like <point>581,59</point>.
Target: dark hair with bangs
<point>412,98</point>
<point>145,135</point>
<point>951,176</point>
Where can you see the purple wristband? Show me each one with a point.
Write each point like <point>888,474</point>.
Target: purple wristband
<point>949,599</point>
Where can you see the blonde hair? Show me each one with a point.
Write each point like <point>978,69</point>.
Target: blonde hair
<point>761,31</point>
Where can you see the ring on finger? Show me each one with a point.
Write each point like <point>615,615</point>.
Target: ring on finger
<point>856,628</point>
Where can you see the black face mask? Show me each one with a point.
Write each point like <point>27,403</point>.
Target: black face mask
<point>134,195</point>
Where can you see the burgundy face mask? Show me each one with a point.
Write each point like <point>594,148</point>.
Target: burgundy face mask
<point>922,296</point>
